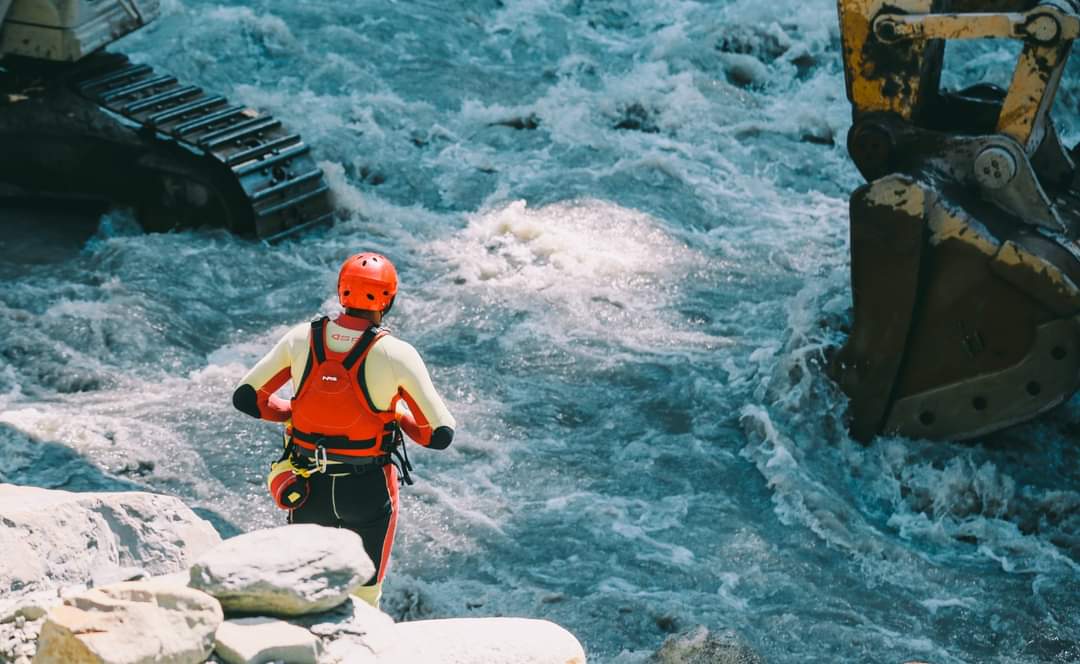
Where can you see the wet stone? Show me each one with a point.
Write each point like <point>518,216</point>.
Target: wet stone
<point>701,646</point>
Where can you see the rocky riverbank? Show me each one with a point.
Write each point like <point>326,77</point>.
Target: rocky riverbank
<point>132,577</point>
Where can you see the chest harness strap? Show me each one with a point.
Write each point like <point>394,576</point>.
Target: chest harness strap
<point>315,454</point>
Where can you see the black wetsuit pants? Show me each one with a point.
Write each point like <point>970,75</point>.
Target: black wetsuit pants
<point>364,501</point>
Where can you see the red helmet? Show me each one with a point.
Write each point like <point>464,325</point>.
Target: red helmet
<point>367,281</point>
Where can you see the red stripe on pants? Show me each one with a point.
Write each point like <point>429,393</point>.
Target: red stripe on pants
<point>390,472</point>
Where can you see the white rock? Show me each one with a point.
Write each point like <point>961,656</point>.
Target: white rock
<point>286,571</point>
<point>261,640</point>
<point>52,539</point>
<point>354,633</point>
<point>350,651</point>
<point>483,641</point>
<point>131,623</point>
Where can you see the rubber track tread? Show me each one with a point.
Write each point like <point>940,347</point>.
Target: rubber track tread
<point>120,93</point>
<point>287,184</point>
<point>162,97</point>
<point>112,77</point>
<point>251,153</point>
<point>273,160</point>
<point>190,107</point>
<point>283,189</point>
<point>280,206</point>
<point>250,128</point>
<point>217,116</point>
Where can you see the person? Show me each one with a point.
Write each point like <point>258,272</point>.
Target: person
<point>356,388</point>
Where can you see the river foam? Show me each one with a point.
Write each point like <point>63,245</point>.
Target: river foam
<point>622,234</point>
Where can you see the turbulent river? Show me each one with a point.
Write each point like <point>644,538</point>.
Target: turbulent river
<point>622,232</point>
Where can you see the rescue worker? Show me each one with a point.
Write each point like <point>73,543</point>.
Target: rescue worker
<point>356,388</point>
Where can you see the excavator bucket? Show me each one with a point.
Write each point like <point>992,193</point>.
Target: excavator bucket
<point>965,266</point>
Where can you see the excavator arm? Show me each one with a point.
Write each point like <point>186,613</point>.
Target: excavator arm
<point>965,266</point>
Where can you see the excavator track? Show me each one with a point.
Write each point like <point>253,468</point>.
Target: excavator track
<point>281,189</point>
<point>117,131</point>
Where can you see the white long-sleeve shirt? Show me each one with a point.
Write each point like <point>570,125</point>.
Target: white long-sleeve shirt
<point>394,375</point>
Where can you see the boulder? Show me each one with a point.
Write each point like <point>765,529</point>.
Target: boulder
<point>131,623</point>
<point>287,571</point>
<point>354,633</point>
<point>53,539</point>
<point>700,646</point>
<point>262,640</point>
<point>483,641</point>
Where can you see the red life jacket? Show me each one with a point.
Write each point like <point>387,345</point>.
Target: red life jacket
<point>332,414</point>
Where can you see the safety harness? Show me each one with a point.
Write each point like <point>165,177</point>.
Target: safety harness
<point>304,465</point>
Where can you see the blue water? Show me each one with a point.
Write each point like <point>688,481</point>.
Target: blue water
<point>626,307</point>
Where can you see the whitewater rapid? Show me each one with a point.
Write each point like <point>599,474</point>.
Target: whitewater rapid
<point>622,233</point>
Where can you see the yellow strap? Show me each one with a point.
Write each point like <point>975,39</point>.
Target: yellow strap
<point>285,443</point>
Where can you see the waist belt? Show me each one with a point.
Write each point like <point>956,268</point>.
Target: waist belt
<point>336,448</point>
<point>320,454</point>
<point>319,449</point>
<point>336,442</point>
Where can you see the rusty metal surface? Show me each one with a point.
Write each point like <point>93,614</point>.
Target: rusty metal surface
<point>887,239</point>
<point>943,302</point>
<point>1044,377</point>
<point>882,77</point>
<point>967,320</point>
<point>1031,93</point>
<point>1043,269</point>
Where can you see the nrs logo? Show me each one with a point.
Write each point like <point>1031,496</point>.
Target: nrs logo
<point>343,337</point>
<point>332,379</point>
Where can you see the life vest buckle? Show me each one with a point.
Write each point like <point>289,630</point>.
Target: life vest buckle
<point>321,462</point>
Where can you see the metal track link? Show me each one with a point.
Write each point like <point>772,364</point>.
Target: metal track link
<point>283,190</point>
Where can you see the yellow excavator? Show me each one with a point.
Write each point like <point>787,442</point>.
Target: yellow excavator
<point>79,123</point>
<point>964,260</point>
